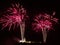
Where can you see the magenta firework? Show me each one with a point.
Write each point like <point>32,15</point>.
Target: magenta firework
<point>15,15</point>
<point>44,21</point>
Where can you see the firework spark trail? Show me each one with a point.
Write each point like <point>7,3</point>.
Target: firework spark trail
<point>44,22</point>
<point>15,15</point>
<point>11,20</point>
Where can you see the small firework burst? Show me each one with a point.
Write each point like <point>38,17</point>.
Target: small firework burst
<point>44,21</point>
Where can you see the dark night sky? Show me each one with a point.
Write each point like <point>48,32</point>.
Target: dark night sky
<point>33,7</point>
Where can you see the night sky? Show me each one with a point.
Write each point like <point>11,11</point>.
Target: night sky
<point>33,8</point>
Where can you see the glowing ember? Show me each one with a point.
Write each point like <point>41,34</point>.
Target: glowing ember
<point>15,15</point>
<point>44,21</point>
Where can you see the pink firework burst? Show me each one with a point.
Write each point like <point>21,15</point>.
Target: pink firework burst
<point>44,21</point>
<point>15,15</point>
